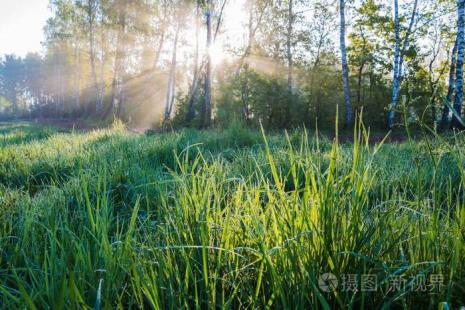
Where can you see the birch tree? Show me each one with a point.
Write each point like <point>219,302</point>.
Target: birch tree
<point>345,65</point>
<point>207,107</point>
<point>446,113</point>
<point>195,85</point>
<point>399,52</point>
<point>91,8</point>
<point>118,84</point>
<point>290,60</point>
<point>460,58</point>
<point>205,66</point>
<point>171,89</point>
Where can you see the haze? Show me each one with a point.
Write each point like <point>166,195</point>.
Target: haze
<point>21,23</point>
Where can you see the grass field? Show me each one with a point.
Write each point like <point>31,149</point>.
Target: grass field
<point>226,219</point>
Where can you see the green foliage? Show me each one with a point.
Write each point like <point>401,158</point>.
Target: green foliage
<point>109,219</point>
<point>112,57</point>
<point>265,97</point>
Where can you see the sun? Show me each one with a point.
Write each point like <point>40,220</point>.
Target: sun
<point>217,54</point>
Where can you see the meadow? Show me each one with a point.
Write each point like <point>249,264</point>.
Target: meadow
<point>229,219</point>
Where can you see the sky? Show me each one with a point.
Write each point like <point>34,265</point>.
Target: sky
<point>21,25</point>
<point>22,22</point>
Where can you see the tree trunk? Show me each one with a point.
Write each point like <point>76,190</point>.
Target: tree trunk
<point>314,99</point>
<point>360,84</point>
<point>399,59</point>
<point>245,83</point>
<point>118,94</point>
<point>171,91</point>
<point>406,39</point>
<point>102,65</point>
<point>91,10</point>
<point>62,85</point>
<point>206,108</point>
<point>207,113</point>
<point>290,63</point>
<point>445,120</point>
<point>433,83</point>
<point>59,85</point>
<point>194,87</point>
<point>460,58</point>
<point>345,66</point>
<point>77,82</point>
<point>395,80</point>
<point>14,103</point>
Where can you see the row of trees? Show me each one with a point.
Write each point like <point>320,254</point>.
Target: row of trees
<point>153,61</point>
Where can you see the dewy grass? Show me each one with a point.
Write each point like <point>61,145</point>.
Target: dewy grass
<point>229,219</point>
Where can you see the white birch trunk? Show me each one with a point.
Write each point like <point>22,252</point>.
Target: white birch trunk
<point>208,76</point>
<point>91,11</point>
<point>460,58</point>
<point>118,100</point>
<point>446,113</point>
<point>345,66</point>
<point>290,63</point>
<point>171,91</point>
<point>77,83</point>
<point>195,84</point>
<point>399,53</point>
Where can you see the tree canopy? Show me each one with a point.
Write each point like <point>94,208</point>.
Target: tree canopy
<point>279,63</point>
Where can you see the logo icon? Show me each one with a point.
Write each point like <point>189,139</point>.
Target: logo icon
<point>327,282</point>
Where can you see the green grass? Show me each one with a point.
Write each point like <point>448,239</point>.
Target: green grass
<point>225,219</point>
